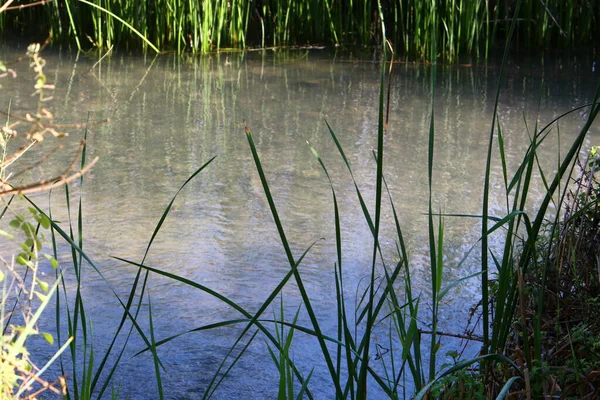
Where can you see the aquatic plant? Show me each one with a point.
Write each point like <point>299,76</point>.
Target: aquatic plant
<point>462,27</point>
<point>26,294</point>
<point>27,290</point>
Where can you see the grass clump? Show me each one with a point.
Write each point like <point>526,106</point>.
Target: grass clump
<point>565,290</point>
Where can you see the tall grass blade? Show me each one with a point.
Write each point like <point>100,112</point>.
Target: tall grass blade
<point>305,298</point>
<point>486,194</point>
<point>121,20</point>
<point>155,358</point>
<point>362,377</point>
<point>134,287</point>
<point>344,334</point>
<point>435,270</point>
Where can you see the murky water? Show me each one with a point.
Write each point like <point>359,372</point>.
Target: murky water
<point>169,116</point>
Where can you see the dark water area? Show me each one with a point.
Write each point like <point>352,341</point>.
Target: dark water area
<point>169,115</point>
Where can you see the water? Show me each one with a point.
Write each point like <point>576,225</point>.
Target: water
<point>168,116</point>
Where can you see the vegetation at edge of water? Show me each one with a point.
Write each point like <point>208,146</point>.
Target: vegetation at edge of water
<point>462,27</point>
<point>28,289</point>
<point>514,283</point>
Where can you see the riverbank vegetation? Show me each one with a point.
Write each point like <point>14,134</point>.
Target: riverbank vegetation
<point>28,286</point>
<point>463,28</point>
<point>537,317</point>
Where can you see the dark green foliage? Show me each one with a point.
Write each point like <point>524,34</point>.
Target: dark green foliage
<point>463,27</point>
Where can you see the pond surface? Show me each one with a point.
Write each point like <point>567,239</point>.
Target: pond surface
<point>168,116</point>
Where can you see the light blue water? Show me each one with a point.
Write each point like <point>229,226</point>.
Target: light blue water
<point>169,116</point>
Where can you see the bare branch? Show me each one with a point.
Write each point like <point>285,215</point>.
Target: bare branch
<point>48,184</point>
<point>21,6</point>
<point>5,6</point>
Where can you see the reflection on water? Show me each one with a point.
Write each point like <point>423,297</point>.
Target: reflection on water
<point>169,116</point>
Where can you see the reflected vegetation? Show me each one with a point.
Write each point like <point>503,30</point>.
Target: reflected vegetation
<point>169,115</point>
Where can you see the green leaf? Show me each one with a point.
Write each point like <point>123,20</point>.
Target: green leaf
<point>53,261</point>
<point>1,276</point>
<point>4,233</point>
<point>43,298</point>
<point>21,260</point>
<point>44,221</point>
<point>49,338</point>
<point>28,229</point>
<point>15,223</point>
<point>43,285</point>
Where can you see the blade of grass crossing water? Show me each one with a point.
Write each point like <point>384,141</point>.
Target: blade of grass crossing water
<point>73,319</point>
<point>363,205</point>
<point>218,296</point>
<point>408,335</point>
<point>254,319</point>
<point>157,365</point>
<point>134,287</point>
<point>344,333</point>
<point>388,289</point>
<point>290,257</point>
<point>58,275</point>
<point>486,193</point>
<point>432,245</point>
<point>362,378</point>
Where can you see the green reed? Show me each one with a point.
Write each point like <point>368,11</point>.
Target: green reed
<point>462,27</point>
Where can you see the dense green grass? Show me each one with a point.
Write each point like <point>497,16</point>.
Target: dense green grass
<point>463,27</point>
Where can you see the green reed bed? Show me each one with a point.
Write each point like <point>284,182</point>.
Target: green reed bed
<point>463,27</point>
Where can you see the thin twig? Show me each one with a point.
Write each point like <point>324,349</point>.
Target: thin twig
<point>21,6</point>
<point>42,160</point>
<point>454,335</point>
<point>47,125</point>
<point>49,184</point>
<point>5,6</point>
